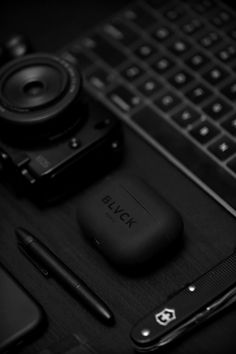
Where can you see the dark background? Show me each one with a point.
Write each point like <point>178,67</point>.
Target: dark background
<point>209,230</point>
<point>52,24</point>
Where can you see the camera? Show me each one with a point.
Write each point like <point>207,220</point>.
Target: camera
<point>52,134</point>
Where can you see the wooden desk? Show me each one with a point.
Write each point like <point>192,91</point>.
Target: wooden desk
<point>209,230</point>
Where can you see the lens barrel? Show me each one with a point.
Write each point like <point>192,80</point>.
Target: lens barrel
<point>40,97</point>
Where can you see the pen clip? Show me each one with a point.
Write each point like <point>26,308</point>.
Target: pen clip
<point>33,261</point>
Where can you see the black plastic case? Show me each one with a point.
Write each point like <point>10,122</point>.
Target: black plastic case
<point>128,221</point>
<point>20,315</point>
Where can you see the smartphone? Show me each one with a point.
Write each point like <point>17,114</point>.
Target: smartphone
<point>20,315</point>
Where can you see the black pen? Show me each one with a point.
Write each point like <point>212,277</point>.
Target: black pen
<point>49,263</point>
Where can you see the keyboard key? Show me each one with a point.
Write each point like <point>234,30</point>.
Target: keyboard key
<point>156,4</point>
<point>203,6</point>
<point>140,17</point>
<point>181,79</point>
<point>124,99</point>
<point>179,47</point>
<point>75,56</point>
<point>132,72</point>
<point>186,116</point>
<point>191,26</point>
<point>167,101</point>
<point>227,54</point>
<point>229,90</point>
<point>199,94</point>
<point>232,165</point>
<point>204,132</point>
<point>150,87</point>
<point>162,33</point>
<point>230,125</point>
<point>210,39</point>
<point>163,64</point>
<point>197,61</point>
<point>100,78</point>
<point>104,50</point>
<point>215,75</point>
<point>217,109</point>
<point>223,18</point>
<point>145,51</point>
<point>232,33</point>
<point>174,13</point>
<point>120,32</point>
<point>223,148</point>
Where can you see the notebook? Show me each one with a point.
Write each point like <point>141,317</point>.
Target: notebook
<point>168,70</point>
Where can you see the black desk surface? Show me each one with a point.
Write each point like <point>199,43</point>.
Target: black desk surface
<point>209,230</point>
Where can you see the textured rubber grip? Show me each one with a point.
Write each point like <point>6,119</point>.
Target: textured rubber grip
<point>189,307</point>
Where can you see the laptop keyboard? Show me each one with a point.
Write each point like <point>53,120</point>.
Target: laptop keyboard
<point>168,69</point>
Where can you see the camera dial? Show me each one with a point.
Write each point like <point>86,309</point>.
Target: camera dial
<point>38,97</point>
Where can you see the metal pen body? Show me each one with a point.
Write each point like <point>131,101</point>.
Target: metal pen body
<point>41,255</point>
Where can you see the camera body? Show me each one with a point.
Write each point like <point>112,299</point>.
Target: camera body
<point>53,136</point>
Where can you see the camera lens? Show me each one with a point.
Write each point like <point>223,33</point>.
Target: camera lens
<point>34,87</point>
<point>40,95</point>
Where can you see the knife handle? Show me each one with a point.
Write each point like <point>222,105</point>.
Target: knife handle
<point>188,308</point>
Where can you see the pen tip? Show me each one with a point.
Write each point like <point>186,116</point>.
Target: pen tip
<point>108,317</point>
<point>111,320</point>
<point>23,236</point>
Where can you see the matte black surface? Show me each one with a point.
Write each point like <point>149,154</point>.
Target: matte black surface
<point>209,230</point>
<point>129,222</point>
<point>20,314</point>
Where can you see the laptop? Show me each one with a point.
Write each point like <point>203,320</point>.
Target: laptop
<point>168,70</point>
